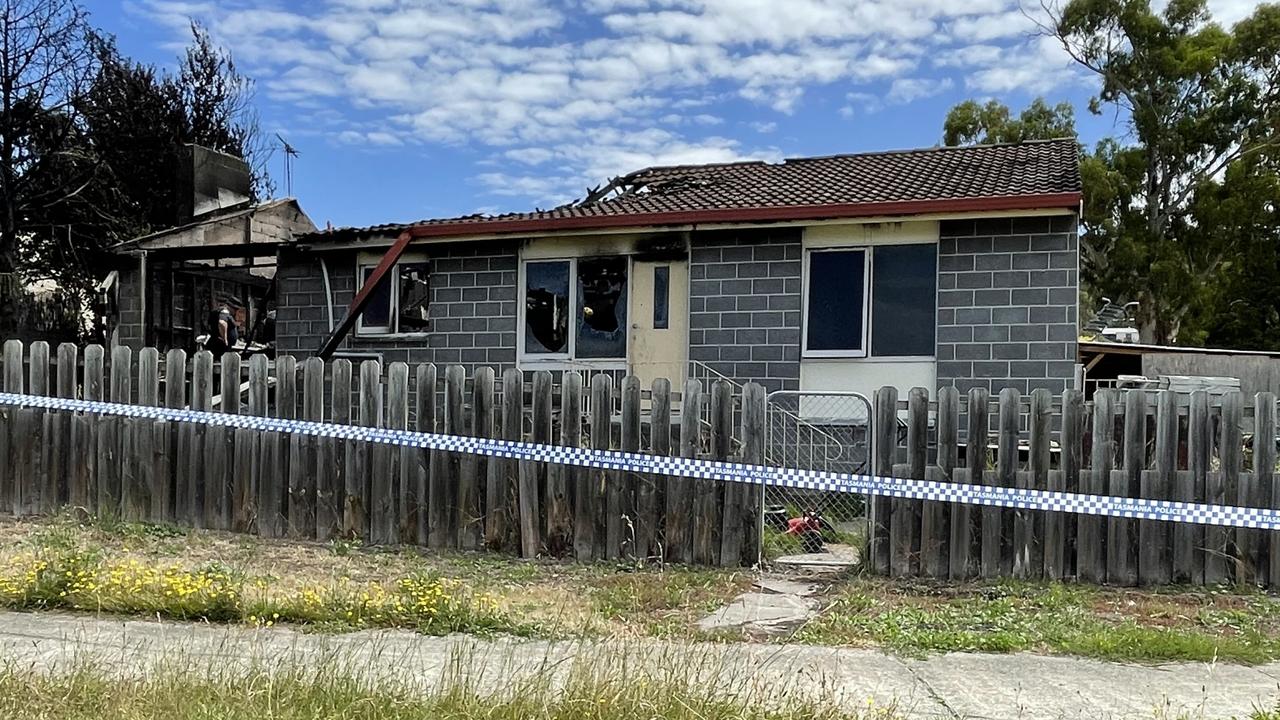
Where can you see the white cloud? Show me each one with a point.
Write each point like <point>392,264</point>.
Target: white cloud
<point>905,90</point>
<point>582,89</point>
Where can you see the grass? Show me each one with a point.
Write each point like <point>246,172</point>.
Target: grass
<point>914,618</point>
<point>614,692</point>
<point>154,570</point>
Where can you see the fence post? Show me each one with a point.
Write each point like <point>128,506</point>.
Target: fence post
<point>715,512</point>
<point>331,454</point>
<point>110,440</point>
<point>1221,562</point>
<point>906,515</point>
<point>598,486</point>
<point>60,483</point>
<point>965,563</point>
<point>886,450</point>
<point>294,521</point>
<point>1007,471</point>
<point>679,533</point>
<point>370,416</point>
<point>560,478</point>
<point>95,388</point>
<point>754,412</point>
<point>221,448</point>
<point>139,492</point>
<point>1255,550</point>
<point>1060,557</point>
<point>37,486</point>
<point>431,488</point>
<point>1154,566</point>
<point>470,497</point>
<point>660,446</point>
<point>175,398</point>
<point>81,482</point>
<point>307,522</point>
<point>10,427</point>
<point>1028,561</point>
<point>1092,531</point>
<point>501,523</point>
<point>935,531</point>
<point>440,532</point>
<point>455,423</point>
<point>635,484</point>
<point>405,501</point>
<point>193,470</point>
<point>383,485</point>
<point>1121,533</point>
<point>1189,538</point>
<point>529,491</point>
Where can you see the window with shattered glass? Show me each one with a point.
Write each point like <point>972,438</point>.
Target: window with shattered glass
<point>414,297</point>
<point>602,308</point>
<point>546,308</point>
<point>576,308</point>
<point>400,305</point>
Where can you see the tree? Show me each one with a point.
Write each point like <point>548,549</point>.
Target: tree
<point>45,60</point>
<point>218,102</point>
<point>1199,100</point>
<point>970,123</point>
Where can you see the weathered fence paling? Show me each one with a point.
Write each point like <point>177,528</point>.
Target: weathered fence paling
<point>1218,449</point>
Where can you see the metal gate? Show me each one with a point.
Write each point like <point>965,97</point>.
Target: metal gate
<point>816,431</point>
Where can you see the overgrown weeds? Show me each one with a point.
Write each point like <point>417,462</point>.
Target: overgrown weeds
<point>610,691</point>
<point>1237,626</point>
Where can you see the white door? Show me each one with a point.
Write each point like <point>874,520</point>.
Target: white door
<point>659,339</point>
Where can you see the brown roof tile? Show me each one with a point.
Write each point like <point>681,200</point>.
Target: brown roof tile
<point>838,184</point>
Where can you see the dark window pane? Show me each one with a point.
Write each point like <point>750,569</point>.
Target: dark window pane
<point>835,300</point>
<point>602,308</point>
<point>546,307</point>
<point>415,297</point>
<point>661,301</point>
<point>903,295</point>
<point>377,313</point>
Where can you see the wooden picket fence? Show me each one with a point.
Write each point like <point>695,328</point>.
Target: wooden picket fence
<point>1216,449</point>
<point>1162,445</point>
<point>279,485</point>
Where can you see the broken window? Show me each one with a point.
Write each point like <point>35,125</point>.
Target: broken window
<point>546,308</point>
<point>401,304</point>
<point>590,292</point>
<point>602,303</point>
<point>414,300</point>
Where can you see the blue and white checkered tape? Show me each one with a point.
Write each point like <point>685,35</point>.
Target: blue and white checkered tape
<point>1021,498</point>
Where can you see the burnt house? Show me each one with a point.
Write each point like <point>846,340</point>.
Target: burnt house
<point>942,266</point>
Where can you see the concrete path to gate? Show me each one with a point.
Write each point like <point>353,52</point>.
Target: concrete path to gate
<point>943,686</point>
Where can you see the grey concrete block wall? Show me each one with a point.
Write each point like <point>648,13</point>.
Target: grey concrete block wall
<point>472,310</point>
<point>744,304</point>
<point>1007,303</point>
<point>129,327</point>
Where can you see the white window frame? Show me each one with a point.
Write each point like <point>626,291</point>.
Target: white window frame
<point>369,261</point>
<point>566,360</point>
<point>867,289</point>
<point>805,352</point>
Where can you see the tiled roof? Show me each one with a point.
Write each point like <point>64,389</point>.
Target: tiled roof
<point>839,184</point>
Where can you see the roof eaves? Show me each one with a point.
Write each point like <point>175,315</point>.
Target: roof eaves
<point>502,226</point>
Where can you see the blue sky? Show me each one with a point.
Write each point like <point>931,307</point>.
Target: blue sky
<point>409,109</point>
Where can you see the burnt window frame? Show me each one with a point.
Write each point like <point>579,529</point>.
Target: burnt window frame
<point>569,357</point>
<point>393,330</point>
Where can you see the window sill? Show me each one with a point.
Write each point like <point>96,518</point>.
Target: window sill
<point>869,358</point>
<point>535,363</point>
<point>392,336</point>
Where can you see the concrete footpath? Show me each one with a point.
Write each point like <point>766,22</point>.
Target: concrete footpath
<point>945,686</point>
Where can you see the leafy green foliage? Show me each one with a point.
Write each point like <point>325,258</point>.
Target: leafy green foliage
<point>971,123</point>
<point>1181,215</point>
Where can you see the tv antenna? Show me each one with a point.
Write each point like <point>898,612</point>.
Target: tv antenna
<point>290,152</point>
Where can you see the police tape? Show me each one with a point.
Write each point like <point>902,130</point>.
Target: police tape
<point>817,480</point>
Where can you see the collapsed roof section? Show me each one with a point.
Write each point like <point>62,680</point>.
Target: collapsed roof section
<point>1021,176</point>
